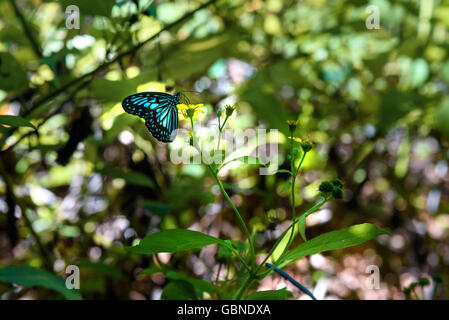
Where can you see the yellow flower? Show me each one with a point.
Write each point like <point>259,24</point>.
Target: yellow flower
<point>190,110</point>
<point>296,139</point>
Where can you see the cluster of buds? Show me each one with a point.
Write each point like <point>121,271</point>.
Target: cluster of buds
<point>333,187</point>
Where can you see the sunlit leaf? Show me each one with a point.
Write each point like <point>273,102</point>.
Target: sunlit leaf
<point>174,240</point>
<point>338,239</point>
<point>151,270</point>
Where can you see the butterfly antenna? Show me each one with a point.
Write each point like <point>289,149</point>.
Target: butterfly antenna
<point>185,98</point>
<point>192,91</point>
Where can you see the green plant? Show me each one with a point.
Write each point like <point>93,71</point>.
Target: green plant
<point>243,256</point>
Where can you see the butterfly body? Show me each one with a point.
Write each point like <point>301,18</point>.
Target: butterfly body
<point>159,111</point>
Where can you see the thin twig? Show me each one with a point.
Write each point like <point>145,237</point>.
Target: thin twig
<point>27,30</point>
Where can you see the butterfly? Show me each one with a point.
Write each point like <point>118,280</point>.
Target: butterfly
<point>159,111</point>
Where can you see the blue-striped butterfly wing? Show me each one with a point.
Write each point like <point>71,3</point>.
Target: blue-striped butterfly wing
<point>159,111</point>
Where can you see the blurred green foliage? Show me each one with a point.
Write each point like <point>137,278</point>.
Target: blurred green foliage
<point>80,179</point>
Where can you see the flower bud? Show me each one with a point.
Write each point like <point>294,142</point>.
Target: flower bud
<point>337,182</point>
<point>306,146</point>
<point>292,125</point>
<point>326,187</point>
<point>337,193</point>
<point>229,110</point>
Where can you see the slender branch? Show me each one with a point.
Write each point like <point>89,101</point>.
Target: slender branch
<point>27,30</point>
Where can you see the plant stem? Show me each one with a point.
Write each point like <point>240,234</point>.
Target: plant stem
<point>244,287</point>
<point>292,225</point>
<point>245,229</point>
<point>233,250</point>
<point>220,129</point>
<point>237,213</point>
<point>27,30</point>
<point>219,134</point>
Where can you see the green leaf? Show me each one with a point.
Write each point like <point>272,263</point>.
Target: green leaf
<point>174,240</point>
<point>283,243</point>
<point>339,239</point>
<point>198,284</point>
<point>131,177</point>
<point>15,121</point>
<point>224,253</point>
<point>151,270</point>
<point>179,290</point>
<point>280,294</point>
<point>30,276</point>
<point>286,187</point>
<point>302,226</point>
